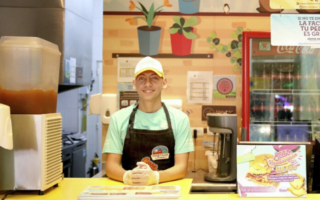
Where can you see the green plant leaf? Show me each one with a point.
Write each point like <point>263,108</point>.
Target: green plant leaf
<point>156,13</point>
<point>223,51</point>
<point>225,47</point>
<point>209,39</point>
<point>220,47</point>
<point>173,30</point>
<point>238,54</point>
<point>213,35</point>
<point>211,46</point>
<point>150,15</point>
<point>233,60</point>
<point>234,34</point>
<point>240,44</point>
<point>235,50</point>
<point>229,45</point>
<point>187,29</point>
<point>182,21</point>
<point>180,31</point>
<point>235,68</point>
<point>239,30</point>
<point>217,50</point>
<point>191,21</point>
<point>175,25</point>
<point>190,35</point>
<point>176,19</point>
<point>141,18</point>
<point>144,10</point>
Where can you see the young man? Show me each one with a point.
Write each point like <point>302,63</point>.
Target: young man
<point>148,142</point>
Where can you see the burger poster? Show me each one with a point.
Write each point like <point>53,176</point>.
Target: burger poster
<point>271,170</point>
<point>224,86</point>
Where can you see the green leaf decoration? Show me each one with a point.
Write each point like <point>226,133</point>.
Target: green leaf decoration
<point>234,44</point>
<point>189,35</point>
<point>234,34</point>
<point>219,47</point>
<point>141,18</point>
<point>223,51</point>
<point>216,41</point>
<point>180,31</point>
<point>235,68</point>
<point>191,21</point>
<point>209,40</point>
<point>228,54</point>
<point>233,60</point>
<point>239,30</point>
<point>240,37</point>
<point>175,25</point>
<point>238,54</point>
<point>150,15</point>
<point>235,50</point>
<point>211,46</point>
<point>144,10</point>
<point>217,50</point>
<point>240,44</point>
<point>182,20</point>
<point>176,19</point>
<point>229,45</point>
<point>213,35</point>
<point>156,13</point>
<point>187,29</point>
<point>173,30</point>
<point>225,47</point>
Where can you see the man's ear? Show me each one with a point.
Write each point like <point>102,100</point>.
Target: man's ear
<point>134,84</point>
<point>165,83</point>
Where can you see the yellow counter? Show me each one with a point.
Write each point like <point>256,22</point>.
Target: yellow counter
<point>70,188</point>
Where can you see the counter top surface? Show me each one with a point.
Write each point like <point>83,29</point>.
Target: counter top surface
<point>70,188</point>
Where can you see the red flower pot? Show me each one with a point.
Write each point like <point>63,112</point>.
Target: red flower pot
<point>180,45</point>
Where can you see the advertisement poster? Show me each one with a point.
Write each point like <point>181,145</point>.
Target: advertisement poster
<point>224,86</point>
<point>271,170</point>
<point>295,4</point>
<point>295,30</point>
<point>126,95</point>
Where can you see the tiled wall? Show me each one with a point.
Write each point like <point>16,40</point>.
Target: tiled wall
<point>120,37</point>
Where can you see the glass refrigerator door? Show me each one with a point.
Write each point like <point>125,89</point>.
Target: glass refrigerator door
<point>282,91</point>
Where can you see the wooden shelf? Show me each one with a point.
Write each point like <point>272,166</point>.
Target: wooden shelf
<point>162,55</point>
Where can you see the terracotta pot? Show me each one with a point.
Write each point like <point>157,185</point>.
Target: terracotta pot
<point>180,45</point>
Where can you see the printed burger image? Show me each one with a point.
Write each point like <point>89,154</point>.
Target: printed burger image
<point>259,170</point>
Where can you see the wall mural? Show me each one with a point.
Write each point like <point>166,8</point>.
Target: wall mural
<point>232,50</point>
<point>195,6</point>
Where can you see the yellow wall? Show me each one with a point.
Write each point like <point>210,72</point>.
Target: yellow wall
<point>120,37</point>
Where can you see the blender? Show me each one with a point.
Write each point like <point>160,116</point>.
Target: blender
<point>225,125</point>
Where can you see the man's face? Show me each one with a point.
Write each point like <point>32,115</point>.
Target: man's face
<point>149,85</point>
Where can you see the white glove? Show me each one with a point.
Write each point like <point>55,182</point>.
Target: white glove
<point>141,175</point>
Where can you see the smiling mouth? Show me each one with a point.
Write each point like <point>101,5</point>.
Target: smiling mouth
<point>148,91</point>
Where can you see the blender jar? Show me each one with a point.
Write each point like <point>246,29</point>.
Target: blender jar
<point>29,75</point>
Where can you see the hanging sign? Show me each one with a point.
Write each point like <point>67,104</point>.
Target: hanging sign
<point>295,4</point>
<point>295,30</point>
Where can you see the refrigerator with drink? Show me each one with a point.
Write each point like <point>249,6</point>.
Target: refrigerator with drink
<point>281,88</point>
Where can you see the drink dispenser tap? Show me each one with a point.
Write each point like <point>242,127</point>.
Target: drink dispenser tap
<point>226,126</point>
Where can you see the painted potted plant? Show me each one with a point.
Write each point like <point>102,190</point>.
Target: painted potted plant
<point>189,6</point>
<point>149,35</point>
<point>182,35</point>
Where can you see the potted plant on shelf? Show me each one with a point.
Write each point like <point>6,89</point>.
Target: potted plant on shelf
<point>182,35</point>
<point>148,36</point>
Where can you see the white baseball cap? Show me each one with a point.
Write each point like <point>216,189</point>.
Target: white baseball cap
<point>148,63</point>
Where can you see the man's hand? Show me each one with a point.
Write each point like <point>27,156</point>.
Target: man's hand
<point>141,175</point>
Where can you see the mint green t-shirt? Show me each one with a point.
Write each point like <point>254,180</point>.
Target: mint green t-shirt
<point>151,121</point>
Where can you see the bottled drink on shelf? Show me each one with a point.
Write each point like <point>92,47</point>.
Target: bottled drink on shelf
<point>281,77</point>
<point>264,77</point>
<point>297,77</point>
<point>304,78</point>
<point>255,75</point>
<point>289,78</point>
<point>253,107</point>
<point>297,109</point>
<point>262,108</point>
<point>273,77</point>
<point>317,108</point>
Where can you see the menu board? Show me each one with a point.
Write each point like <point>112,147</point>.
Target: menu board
<point>271,170</point>
<point>131,192</point>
